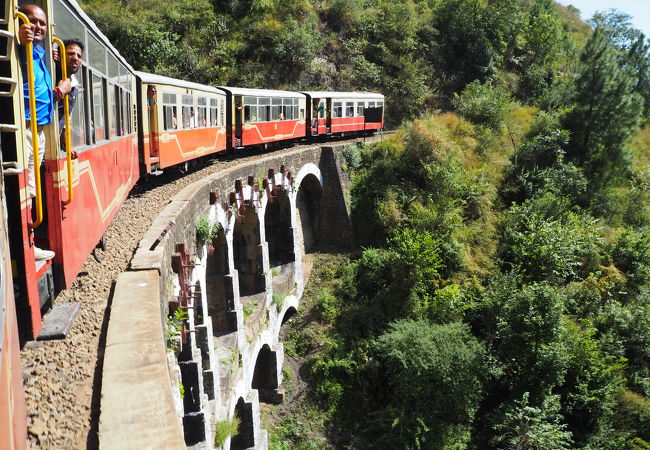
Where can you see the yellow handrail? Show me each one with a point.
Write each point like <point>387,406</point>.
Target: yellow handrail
<point>33,122</point>
<point>66,114</point>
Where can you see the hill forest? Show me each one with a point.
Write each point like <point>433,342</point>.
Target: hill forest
<point>499,295</point>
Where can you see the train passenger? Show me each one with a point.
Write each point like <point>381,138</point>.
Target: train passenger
<point>151,96</point>
<point>74,52</point>
<point>45,95</point>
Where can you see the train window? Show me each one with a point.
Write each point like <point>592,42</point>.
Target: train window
<point>276,101</point>
<point>169,111</point>
<point>202,112</point>
<point>214,108</point>
<point>113,104</point>
<point>275,112</point>
<point>360,107</point>
<point>380,104</point>
<point>263,113</point>
<point>98,124</point>
<point>188,112</point>
<point>264,101</point>
<point>126,122</point>
<point>96,54</point>
<point>222,112</point>
<point>68,27</point>
<point>250,100</point>
<point>113,69</point>
<point>371,104</point>
<point>349,109</point>
<point>337,109</point>
<point>78,114</point>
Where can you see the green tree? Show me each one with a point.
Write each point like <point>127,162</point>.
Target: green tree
<point>607,111</point>
<point>434,377</point>
<point>526,427</point>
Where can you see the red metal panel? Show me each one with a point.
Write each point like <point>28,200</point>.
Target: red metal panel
<point>103,177</point>
<point>183,145</point>
<point>13,417</point>
<point>266,132</point>
<point>347,124</point>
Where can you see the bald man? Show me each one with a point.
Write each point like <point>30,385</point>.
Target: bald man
<point>45,95</point>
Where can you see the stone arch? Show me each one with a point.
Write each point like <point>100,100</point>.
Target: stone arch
<point>265,375</point>
<point>219,287</point>
<point>278,230</point>
<point>308,205</point>
<point>245,437</point>
<point>288,314</point>
<point>247,252</point>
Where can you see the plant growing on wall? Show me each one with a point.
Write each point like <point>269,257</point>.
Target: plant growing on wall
<point>224,429</point>
<point>206,232</point>
<point>173,325</point>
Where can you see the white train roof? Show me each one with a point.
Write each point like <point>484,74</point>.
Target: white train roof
<point>261,92</point>
<point>359,95</point>
<point>159,79</point>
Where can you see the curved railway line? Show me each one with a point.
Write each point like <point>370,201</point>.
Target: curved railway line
<point>62,379</point>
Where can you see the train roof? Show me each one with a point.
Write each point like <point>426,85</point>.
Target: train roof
<point>261,92</point>
<point>159,79</point>
<point>327,94</point>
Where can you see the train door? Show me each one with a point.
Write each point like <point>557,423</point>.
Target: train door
<point>152,107</point>
<point>314,116</point>
<point>239,111</point>
<point>32,280</point>
<point>328,116</point>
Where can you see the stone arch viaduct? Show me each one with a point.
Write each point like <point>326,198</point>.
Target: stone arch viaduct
<point>238,289</point>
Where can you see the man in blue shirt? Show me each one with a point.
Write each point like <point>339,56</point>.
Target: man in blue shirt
<point>45,95</point>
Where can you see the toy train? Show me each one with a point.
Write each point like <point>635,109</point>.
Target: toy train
<point>126,125</point>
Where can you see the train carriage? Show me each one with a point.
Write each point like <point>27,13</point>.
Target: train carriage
<point>180,121</point>
<point>344,112</point>
<point>79,197</point>
<point>259,117</point>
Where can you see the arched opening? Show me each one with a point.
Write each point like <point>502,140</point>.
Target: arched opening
<point>279,233</point>
<point>265,375</point>
<point>289,313</point>
<point>219,291</point>
<point>197,301</point>
<point>248,253</point>
<point>245,437</point>
<point>308,203</point>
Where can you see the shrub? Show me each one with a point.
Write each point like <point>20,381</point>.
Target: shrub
<point>225,429</point>
<point>483,104</point>
<point>434,377</point>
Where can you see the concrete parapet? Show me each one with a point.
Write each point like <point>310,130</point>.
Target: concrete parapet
<point>137,407</point>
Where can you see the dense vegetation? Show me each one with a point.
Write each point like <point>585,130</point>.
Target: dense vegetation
<point>417,52</point>
<point>500,296</point>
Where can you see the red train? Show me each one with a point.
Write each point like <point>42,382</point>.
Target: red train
<point>125,125</point>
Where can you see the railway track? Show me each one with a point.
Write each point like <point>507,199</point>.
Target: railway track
<point>62,379</point>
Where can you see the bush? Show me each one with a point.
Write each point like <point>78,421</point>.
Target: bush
<point>483,104</point>
<point>434,376</point>
<point>544,248</point>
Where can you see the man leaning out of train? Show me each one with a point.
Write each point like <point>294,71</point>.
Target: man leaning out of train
<point>74,53</point>
<point>45,95</point>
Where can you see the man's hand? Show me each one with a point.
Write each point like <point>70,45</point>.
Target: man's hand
<point>65,86</point>
<point>26,34</point>
<point>55,53</point>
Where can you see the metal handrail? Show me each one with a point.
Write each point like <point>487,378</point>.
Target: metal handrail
<point>33,125</point>
<point>66,114</point>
